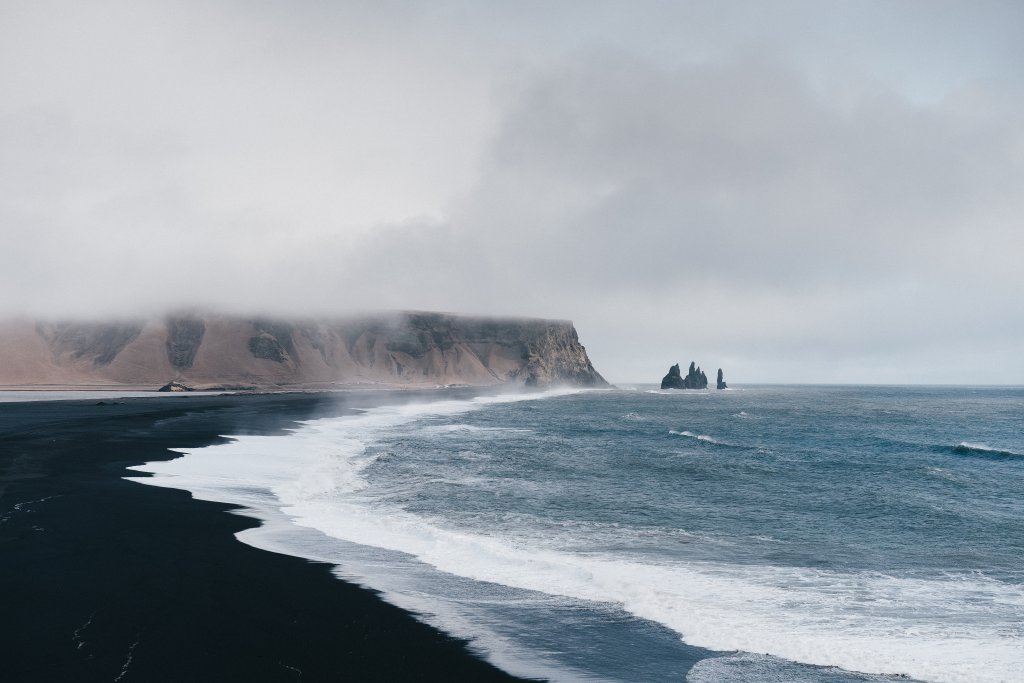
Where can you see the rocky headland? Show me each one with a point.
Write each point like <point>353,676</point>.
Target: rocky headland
<point>184,352</point>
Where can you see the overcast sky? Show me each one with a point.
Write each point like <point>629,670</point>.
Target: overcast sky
<point>795,191</point>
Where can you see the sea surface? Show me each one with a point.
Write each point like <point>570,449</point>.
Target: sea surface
<point>758,534</point>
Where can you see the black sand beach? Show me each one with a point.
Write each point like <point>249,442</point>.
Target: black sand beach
<point>104,579</point>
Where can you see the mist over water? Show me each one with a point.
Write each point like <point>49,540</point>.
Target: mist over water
<point>843,528</point>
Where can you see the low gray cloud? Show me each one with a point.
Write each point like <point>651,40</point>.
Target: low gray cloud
<point>732,206</point>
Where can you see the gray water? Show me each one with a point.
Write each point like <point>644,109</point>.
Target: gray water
<point>761,534</point>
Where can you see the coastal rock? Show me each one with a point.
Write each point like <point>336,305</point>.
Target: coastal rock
<point>695,378</point>
<point>721,380</point>
<point>674,378</point>
<point>97,343</point>
<point>184,335</point>
<point>175,386</point>
<point>267,347</point>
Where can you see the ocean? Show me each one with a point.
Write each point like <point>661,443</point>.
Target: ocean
<point>766,533</point>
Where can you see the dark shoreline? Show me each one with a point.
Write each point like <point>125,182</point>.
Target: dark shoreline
<point>105,579</point>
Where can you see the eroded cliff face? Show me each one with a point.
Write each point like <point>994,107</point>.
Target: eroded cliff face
<point>229,351</point>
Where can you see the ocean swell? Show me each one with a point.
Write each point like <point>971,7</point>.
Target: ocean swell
<point>965,448</point>
<point>860,621</point>
<point>706,439</point>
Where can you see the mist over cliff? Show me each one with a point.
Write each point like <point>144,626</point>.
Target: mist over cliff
<point>231,351</point>
<point>831,185</point>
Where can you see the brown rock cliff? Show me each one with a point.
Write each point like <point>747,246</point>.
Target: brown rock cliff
<point>232,351</point>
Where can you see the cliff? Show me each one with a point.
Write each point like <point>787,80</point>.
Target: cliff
<point>205,351</point>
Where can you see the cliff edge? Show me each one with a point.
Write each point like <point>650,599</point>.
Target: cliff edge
<point>217,351</point>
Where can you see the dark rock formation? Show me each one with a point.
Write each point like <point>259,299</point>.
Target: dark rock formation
<point>267,347</point>
<point>695,378</point>
<point>175,386</point>
<point>274,341</point>
<point>97,342</point>
<point>721,380</point>
<point>184,335</point>
<point>674,378</point>
<point>281,332</point>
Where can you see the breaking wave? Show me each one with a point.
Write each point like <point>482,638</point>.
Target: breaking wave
<point>704,438</point>
<point>866,621</point>
<point>965,448</point>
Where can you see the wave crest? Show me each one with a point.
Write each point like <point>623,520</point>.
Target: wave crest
<point>965,448</point>
<point>699,437</point>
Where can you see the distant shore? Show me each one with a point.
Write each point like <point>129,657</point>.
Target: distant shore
<point>105,579</point>
<point>308,388</point>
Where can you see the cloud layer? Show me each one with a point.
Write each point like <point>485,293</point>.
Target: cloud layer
<point>784,212</point>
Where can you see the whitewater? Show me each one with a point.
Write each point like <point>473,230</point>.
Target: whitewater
<point>761,534</point>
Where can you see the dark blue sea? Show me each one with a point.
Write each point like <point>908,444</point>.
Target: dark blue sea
<point>755,534</point>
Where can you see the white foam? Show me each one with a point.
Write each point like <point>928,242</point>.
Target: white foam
<point>679,392</point>
<point>861,622</point>
<point>700,437</point>
<point>950,629</point>
<point>471,429</point>
<point>746,667</point>
<point>985,448</point>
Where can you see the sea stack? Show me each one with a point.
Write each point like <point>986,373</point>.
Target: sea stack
<point>674,379</point>
<point>695,378</point>
<point>721,380</point>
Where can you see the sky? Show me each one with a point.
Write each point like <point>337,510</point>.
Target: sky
<point>823,191</point>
